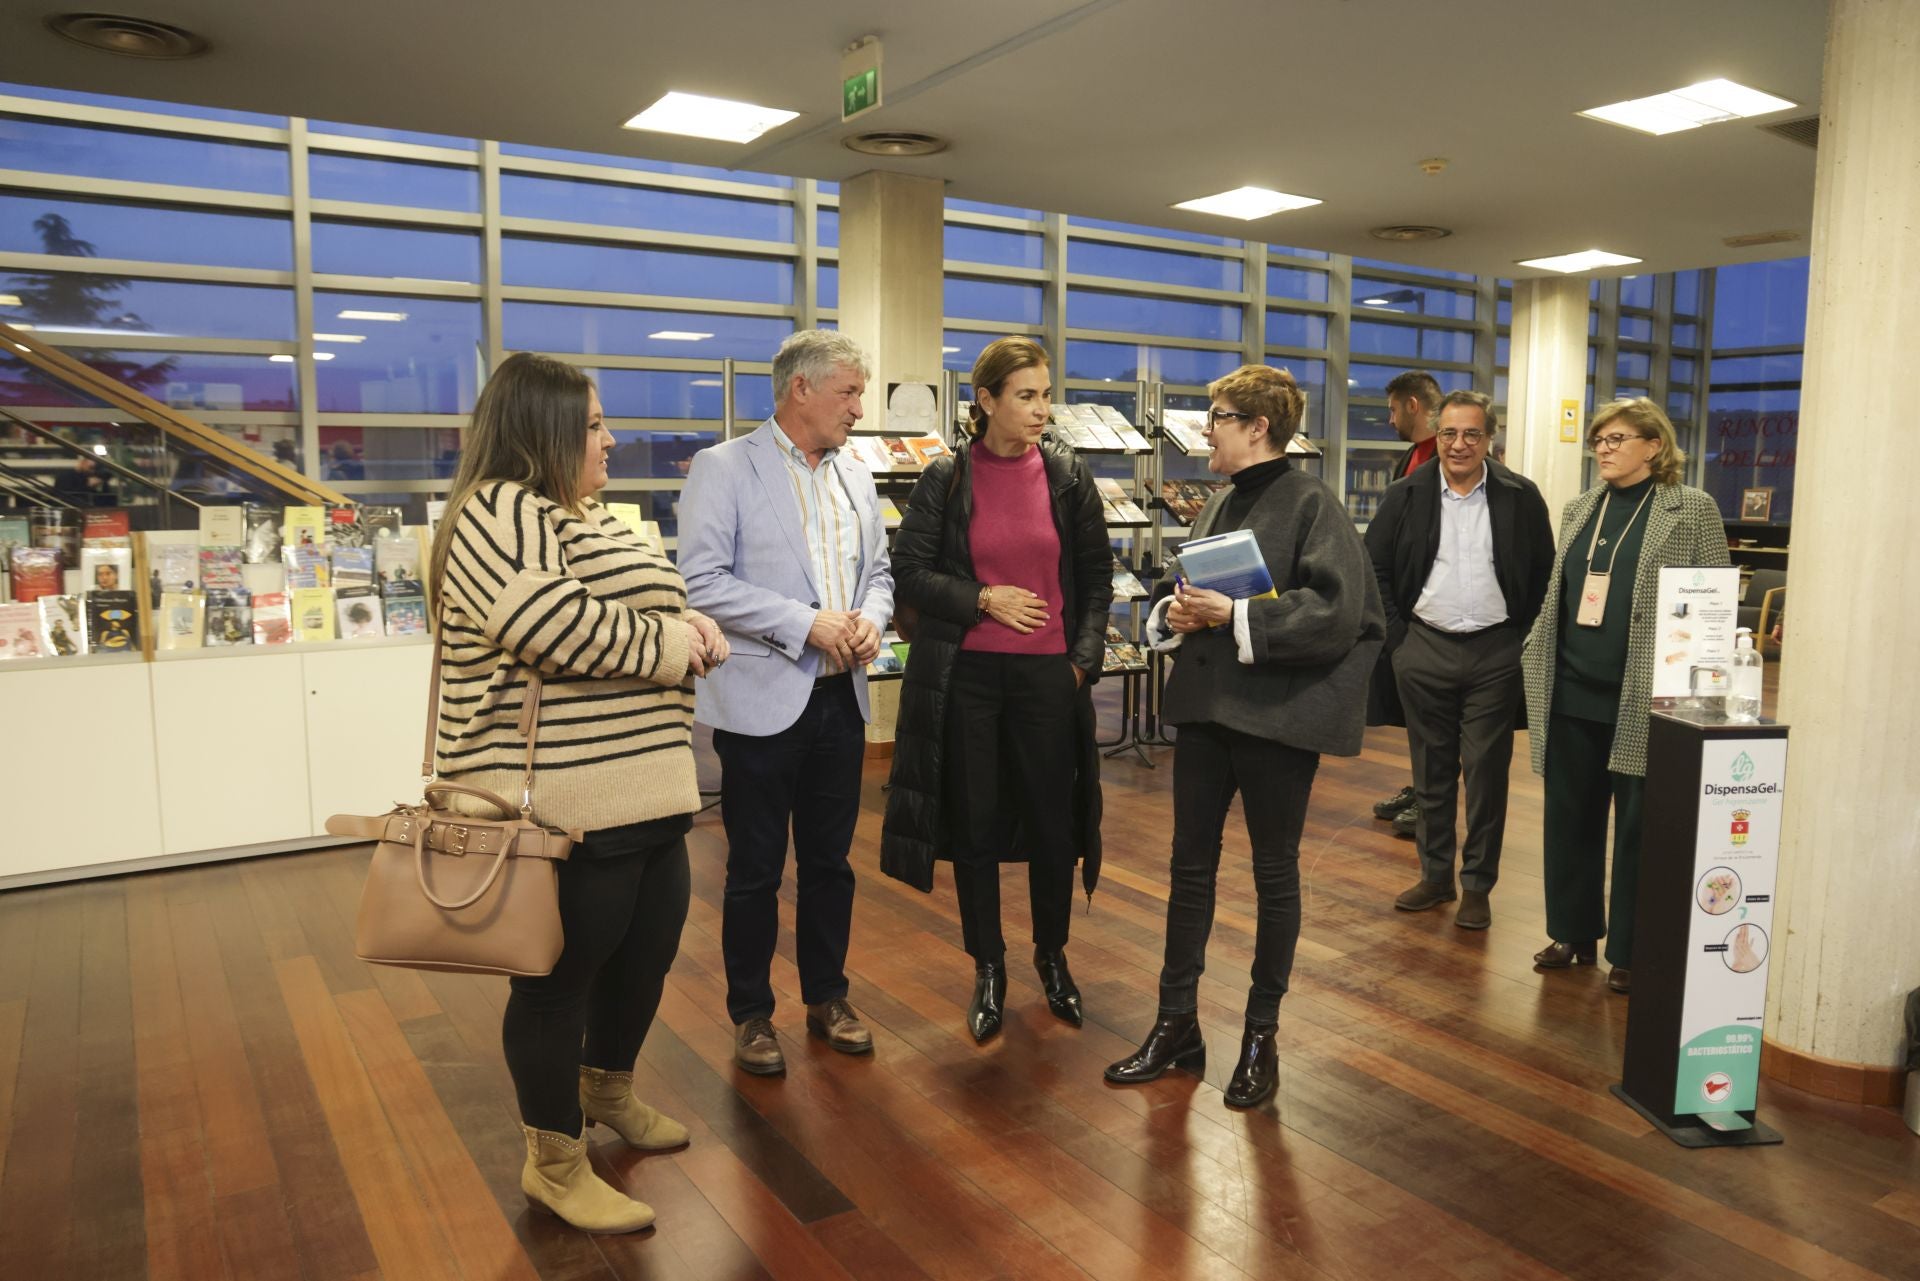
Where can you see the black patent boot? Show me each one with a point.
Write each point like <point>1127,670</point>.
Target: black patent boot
<point>1175,1041</point>
<point>1256,1073</point>
<point>1063,994</point>
<point>989,1000</point>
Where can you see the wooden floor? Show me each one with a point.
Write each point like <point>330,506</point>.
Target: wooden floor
<point>198,1080</point>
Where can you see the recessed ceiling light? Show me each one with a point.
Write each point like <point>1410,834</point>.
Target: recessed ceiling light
<point>339,337</point>
<point>281,359</point>
<point>132,37</point>
<point>323,355</point>
<point>1707,103</point>
<point>720,119</point>
<point>373,315</point>
<point>948,351</point>
<point>1247,203</point>
<point>1585,260</point>
<point>1374,302</point>
<point>9,300</point>
<point>679,335</point>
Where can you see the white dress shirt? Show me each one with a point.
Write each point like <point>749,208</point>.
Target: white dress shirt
<point>1463,592</point>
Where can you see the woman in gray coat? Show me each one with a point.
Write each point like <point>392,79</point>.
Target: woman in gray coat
<point>1589,673</point>
<point>1260,688</point>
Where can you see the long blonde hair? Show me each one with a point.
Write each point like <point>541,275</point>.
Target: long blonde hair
<point>529,426</point>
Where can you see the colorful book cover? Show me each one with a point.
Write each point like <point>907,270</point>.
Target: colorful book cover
<point>926,448</point>
<point>885,663</point>
<point>352,566</point>
<point>37,573</point>
<point>229,620</point>
<point>220,569</point>
<point>397,561</point>
<point>113,622</point>
<point>360,615</point>
<point>223,526</point>
<point>304,527</point>
<point>307,565</point>
<point>177,623</point>
<point>262,545</point>
<point>312,614</point>
<point>14,532</point>
<point>105,527</point>
<point>406,615</point>
<point>176,565</point>
<point>379,522</point>
<point>344,527</point>
<point>20,632</point>
<point>106,569</point>
<point>63,625</point>
<point>272,619</point>
<point>897,452</point>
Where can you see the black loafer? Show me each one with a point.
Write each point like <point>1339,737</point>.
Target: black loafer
<point>1063,994</point>
<point>1394,804</point>
<point>1619,979</point>
<point>989,1000</point>
<point>1558,956</point>
<point>1175,1041</point>
<point>1256,1073</point>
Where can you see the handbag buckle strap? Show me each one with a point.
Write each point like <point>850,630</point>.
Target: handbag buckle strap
<point>456,839</point>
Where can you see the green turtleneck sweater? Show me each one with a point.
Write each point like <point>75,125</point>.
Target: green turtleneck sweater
<point>1593,659</point>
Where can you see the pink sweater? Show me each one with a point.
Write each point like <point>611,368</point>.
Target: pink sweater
<point>1014,542</point>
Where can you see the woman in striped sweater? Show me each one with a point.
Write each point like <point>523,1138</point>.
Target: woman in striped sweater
<point>528,571</point>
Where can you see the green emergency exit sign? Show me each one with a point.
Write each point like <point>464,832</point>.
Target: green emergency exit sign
<point>859,92</point>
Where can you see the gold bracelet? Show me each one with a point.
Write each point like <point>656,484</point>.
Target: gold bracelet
<point>984,603</point>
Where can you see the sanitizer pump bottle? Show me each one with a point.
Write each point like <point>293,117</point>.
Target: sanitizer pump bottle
<point>1743,694</point>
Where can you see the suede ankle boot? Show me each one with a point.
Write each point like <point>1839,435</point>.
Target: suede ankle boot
<point>557,1178</point>
<point>607,1098</point>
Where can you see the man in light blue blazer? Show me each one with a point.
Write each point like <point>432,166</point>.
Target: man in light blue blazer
<point>782,544</point>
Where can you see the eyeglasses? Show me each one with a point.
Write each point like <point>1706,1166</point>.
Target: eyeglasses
<point>1217,416</point>
<point>1471,436</point>
<point>1612,441</point>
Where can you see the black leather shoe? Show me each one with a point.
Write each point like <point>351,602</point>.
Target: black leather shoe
<point>1394,804</point>
<point>989,1000</point>
<point>1063,994</point>
<point>1256,1073</point>
<point>1174,1042</point>
<point>1619,979</point>
<point>1558,956</point>
<point>1406,824</point>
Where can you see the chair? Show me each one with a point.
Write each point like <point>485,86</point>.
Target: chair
<point>1765,605</point>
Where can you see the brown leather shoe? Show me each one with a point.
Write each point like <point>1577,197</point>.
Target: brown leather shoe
<point>1558,956</point>
<point>1619,980</point>
<point>1423,895</point>
<point>1475,912</point>
<point>756,1049</point>
<point>836,1021</point>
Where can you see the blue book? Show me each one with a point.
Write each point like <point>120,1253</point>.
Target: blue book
<point>1230,564</point>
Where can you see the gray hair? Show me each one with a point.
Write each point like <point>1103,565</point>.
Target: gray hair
<point>814,354</point>
<point>1479,400</point>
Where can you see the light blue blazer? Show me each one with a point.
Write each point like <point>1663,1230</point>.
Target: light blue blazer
<point>744,556</point>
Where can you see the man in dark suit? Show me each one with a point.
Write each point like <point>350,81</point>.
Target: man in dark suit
<point>1463,549</point>
<point>1413,398</point>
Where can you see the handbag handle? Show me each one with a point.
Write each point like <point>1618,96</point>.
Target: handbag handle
<point>420,870</point>
<point>529,725</point>
<point>505,806</point>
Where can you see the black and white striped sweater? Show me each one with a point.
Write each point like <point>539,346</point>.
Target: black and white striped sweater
<point>528,582</point>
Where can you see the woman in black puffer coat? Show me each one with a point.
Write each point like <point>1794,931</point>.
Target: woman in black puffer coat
<point>994,757</point>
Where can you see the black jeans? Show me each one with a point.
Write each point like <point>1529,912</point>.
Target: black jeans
<point>1211,763</point>
<point>1579,789</point>
<point>807,775</point>
<point>623,900</point>
<point>1009,768</point>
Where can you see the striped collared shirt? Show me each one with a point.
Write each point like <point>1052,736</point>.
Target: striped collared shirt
<point>832,526</point>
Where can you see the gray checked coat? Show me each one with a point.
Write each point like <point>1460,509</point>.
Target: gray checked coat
<point>1683,528</point>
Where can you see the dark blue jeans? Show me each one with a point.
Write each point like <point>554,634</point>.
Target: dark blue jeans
<point>806,777</point>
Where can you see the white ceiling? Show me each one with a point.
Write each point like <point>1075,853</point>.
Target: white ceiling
<point>1109,108</point>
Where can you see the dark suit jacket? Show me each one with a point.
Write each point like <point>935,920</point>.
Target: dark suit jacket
<point>1403,539</point>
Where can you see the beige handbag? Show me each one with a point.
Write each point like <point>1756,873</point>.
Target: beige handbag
<point>447,891</point>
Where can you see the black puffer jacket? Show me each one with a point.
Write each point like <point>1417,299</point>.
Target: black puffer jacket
<point>933,572</point>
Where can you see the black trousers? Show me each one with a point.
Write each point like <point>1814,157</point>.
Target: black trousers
<point>622,904</point>
<point>1461,695</point>
<point>1009,764</point>
<point>807,778</point>
<point>1579,787</point>
<point>1210,764</point>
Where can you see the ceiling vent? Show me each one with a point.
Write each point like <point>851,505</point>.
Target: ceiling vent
<point>1760,238</point>
<point>1403,232</point>
<point>894,142</point>
<point>1805,131</point>
<point>129,37</point>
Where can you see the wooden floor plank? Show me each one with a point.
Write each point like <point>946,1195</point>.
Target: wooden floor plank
<point>36,1207</point>
<point>13,1027</point>
<point>109,1211</point>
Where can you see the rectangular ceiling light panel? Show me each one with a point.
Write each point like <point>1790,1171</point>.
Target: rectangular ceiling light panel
<point>1247,203</point>
<point>679,335</point>
<point>694,116</point>
<point>1707,103</point>
<point>1585,260</point>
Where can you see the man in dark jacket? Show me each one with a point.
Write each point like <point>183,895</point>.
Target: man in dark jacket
<point>1462,549</point>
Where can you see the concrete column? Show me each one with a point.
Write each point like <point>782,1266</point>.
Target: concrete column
<point>1546,368</point>
<point>1845,952</point>
<point>891,252</point>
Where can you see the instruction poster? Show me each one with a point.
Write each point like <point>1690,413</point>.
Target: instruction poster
<point>1694,631</point>
<point>1736,854</point>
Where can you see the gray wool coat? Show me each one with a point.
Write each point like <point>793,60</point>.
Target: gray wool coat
<point>1683,528</point>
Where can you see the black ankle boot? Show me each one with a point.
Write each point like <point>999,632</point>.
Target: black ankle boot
<point>1256,1073</point>
<point>1063,994</point>
<point>1174,1042</point>
<point>989,999</point>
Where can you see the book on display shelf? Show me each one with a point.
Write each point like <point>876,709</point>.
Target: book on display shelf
<point>344,528</point>
<point>177,623</point>
<point>1126,584</point>
<point>1185,498</point>
<point>262,544</point>
<point>37,573</point>
<point>307,566</point>
<point>885,663</point>
<point>397,564</point>
<point>1187,429</point>
<point>313,615</point>
<point>1118,504</point>
<point>229,619</point>
<point>379,522</point>
<point>20,632</point>
<point>63,625</point>
<point>926,448</point>
<point>436,511</point>
<point>272,619</point>
<point>223,526</point>
<point>406,615</point>
<point>106,569</point>
<point>352,567</point>
<point>359,613</point>
<point>105,527</point>
<point>113,622</point>
<point>176,566</point>
<point>304,527</point>
<point>220,569</point>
